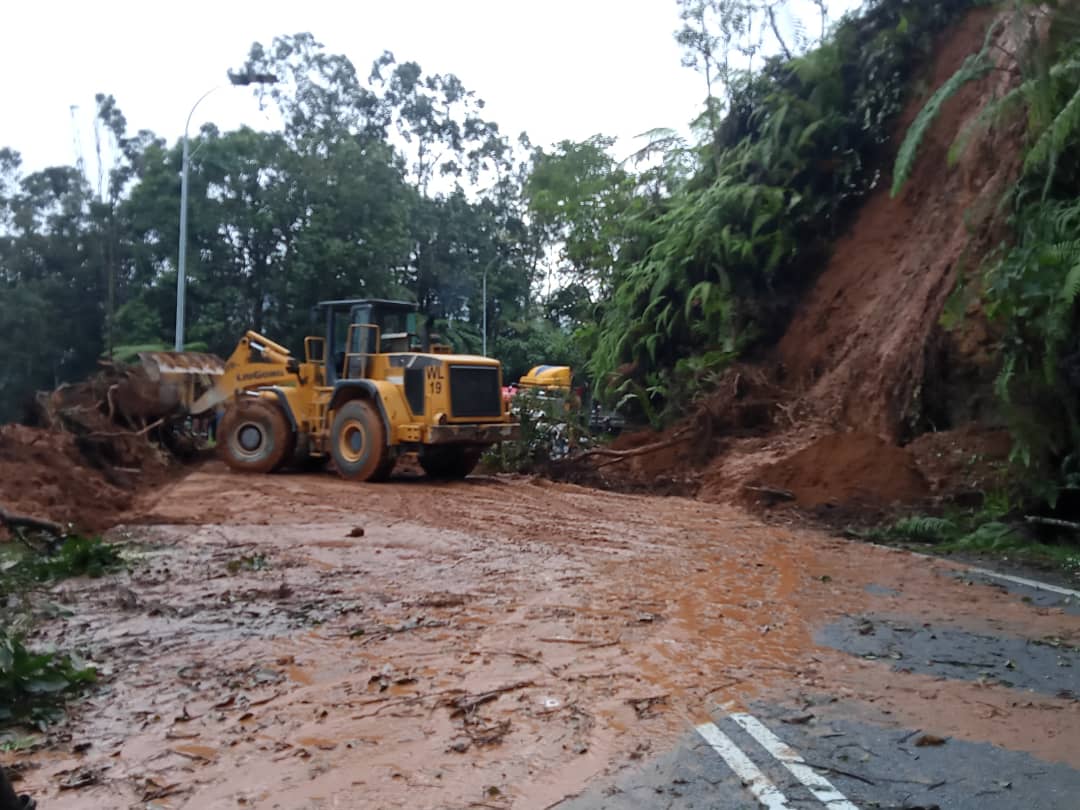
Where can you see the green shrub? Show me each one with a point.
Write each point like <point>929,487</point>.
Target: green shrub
<point>34,686</point>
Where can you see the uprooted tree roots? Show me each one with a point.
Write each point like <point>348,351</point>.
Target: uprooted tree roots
<point>94,445</point>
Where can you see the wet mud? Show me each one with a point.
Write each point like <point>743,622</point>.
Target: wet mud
<point>498,642</point>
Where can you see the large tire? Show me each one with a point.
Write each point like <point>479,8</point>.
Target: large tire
<point>8,798</point>
<point>301,460</point>
<point>255,436</point>
<point>450,463</point>
<point>358,443</point>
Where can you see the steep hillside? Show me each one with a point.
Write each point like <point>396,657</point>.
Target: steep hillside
<point>823,417</point>
<point>856,349</point>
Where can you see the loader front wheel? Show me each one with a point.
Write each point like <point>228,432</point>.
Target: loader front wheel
<point>358,443</point>
<point>255,436</point>
<point>450,463</point>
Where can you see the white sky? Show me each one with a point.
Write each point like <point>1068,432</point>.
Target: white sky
<point>557,69</point>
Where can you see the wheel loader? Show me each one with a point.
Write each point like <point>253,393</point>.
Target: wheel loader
<point>373,386</point>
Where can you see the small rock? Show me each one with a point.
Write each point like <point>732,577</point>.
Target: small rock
<point>929,739</point>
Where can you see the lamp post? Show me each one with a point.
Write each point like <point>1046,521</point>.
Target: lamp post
<point>483,320</point>
<point>235,80</point>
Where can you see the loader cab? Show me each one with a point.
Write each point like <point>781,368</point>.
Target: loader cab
<point>400,329</point>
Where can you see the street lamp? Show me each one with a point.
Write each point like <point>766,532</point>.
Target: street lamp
<point>483,327</point>
<point>235,80</point>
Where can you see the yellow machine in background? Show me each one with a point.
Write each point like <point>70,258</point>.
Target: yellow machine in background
<point>553,378</point>
<point>372,387</point>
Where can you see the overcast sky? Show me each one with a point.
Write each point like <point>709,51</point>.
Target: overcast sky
<point>557,69</point>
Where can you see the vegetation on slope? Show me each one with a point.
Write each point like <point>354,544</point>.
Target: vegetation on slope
<point>1031,284</point>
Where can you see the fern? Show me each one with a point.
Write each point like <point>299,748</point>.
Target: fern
<point>1070,288</point>
<point>918,527</point>
<point>932,529</point>
<point>717,262</point>
<point>1004,378</point>
<point>975,67</point>
<point>1052,141</point>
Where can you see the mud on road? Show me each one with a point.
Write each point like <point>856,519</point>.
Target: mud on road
<point>304,642</point>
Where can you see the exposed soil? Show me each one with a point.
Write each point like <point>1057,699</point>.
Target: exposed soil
<point>91,453</point>
<point>498,642</point>
<point>864,365</point>
<point>962,462</point>
<point>852,468</point>
<point>858,341</point>
<point>44,475</point>
<point>300,641</point>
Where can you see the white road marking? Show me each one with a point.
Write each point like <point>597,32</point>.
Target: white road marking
<point>821,787</point>
<point>767,794</point>
<point>1031,583</point>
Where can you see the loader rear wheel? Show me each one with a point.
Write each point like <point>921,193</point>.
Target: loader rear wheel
<point>255,436</point>
<point>358,443</point>
<point>449,463</point>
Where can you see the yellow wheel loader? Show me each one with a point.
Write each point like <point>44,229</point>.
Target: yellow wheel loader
<point>374,386</point>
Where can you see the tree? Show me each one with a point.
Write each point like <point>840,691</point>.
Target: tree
<point>579,197</point>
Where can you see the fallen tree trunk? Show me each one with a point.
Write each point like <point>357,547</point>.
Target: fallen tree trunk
<point>615,456</point>
<point>13,521</point>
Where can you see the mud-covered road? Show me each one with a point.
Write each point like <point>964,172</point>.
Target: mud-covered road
<point>303,642</point>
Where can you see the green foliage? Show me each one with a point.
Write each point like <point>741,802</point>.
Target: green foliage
<point>921,528</point>
<point>975,67</point>
<point>714,266</point>
<point>1031,284</point>
<point>551,426</point>
<point>252,562</point>
<point>992,536</point>
<point>34,686</point>
<point>397,187</point>
<point>76,556</point>
<point>987,530</point>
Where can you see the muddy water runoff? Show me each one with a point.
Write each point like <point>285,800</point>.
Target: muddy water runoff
<point>491,643</point>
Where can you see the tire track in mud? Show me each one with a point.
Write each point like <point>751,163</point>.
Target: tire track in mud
<point>501,641</point>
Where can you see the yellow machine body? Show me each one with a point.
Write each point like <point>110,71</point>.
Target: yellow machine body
<point>373,395</point>
<point>549,377</point>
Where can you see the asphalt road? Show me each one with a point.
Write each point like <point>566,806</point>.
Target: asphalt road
<point>819,751</point>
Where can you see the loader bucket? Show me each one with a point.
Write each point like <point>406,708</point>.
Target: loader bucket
<point>181,381</point>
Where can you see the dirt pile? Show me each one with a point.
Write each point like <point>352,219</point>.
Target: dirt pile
<point>44,475</point>
<point>850,469</point>
<point>92,451</point>
<point>963,463</point>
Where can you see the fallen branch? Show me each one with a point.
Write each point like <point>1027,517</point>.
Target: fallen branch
<point>952,662</point>
<point>466,703</point>
<point>615,456</point>
<point>1046,521</point>
<point>456,698</point>
<point>838,772</point>
<point>589,642</point>
<point>774,492</point>
<point>523,657</point>
<point>13,521</point>
<point>119,433</point>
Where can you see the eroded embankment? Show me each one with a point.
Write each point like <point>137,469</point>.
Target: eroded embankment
<point>827,414</point>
